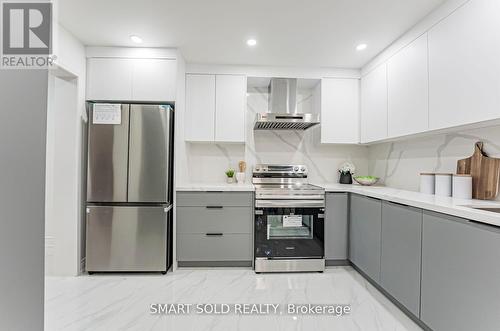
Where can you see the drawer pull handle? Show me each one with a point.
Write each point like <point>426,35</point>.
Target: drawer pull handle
<point>214,207</point>
<point>215,234</point>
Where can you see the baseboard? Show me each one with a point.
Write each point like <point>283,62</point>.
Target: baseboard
<point>205,264</point>
<point>336,263</point>
<point>82,265</point>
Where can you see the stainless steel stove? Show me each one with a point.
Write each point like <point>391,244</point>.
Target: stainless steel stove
<point>289,220</point>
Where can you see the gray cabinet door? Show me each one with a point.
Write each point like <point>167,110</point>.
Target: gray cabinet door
<point>215,199</point>
<point>149,153</point>
<point>204,220</point>
<point>364,234</point>
<point>336,226</point>
<point>460,274</point>
<point>401,253</point>
<point>107,159</point>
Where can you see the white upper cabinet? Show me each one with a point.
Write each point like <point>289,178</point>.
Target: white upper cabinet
<point>131,79</point>
<point>374,105</point>
<point>408,90</point>
<point>200,108</point>
<point>215,108</point>
<point>154,80</point>
<point>230,106</point>
<point>464,66</point>
<point>339,111</point>
<point>109,79</point>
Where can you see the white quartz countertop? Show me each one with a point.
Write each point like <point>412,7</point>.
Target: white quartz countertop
<point>445,205</point>
<point>245,187</point>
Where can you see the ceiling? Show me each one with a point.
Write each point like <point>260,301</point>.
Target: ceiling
<point>319,33</point>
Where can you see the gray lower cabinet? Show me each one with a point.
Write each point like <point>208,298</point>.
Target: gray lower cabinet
<point>365,234</point>
<point>214,227</point>
<point>336,226</point>
<point>214,199</point>
<point>460,274</point>
<point>401,254</point>
<point>217,247</point>
<point>201,220</point>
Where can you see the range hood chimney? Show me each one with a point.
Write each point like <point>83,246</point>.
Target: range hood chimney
<point>282,113</point>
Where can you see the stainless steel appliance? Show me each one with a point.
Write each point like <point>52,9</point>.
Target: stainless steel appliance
<point>282,113</point>
<point>289,220</point>
<point>129,187</point>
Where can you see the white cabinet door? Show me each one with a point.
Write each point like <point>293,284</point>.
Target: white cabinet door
<point>109,79</point>
<point>374,105</point>
<point>230,105</point>
<point>408,90</point>
<point>154,80</point>
<point>200,108</point>
<point>339,111</point>
<point>464,66</point>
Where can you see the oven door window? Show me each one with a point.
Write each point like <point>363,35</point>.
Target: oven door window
<point>290,226</point>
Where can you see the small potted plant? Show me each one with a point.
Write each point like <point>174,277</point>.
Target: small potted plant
<point>346,171</point>
<point>230,176</point>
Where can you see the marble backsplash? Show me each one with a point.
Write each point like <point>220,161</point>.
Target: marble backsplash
<point>207,162</point>
<point>400,163</point>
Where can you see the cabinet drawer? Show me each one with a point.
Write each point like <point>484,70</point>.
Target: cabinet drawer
<point>214,199</point>
<point>226,247</point>
<point>203,220</point>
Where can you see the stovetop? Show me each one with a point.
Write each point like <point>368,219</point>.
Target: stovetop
<point>289,187</point>
<point>286,182</point>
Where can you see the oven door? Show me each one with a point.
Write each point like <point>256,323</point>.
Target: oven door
<point>289,229</point>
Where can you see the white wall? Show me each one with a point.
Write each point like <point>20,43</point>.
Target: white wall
<point>22,177</point>
<point>66,113</point>
<point>181,151</point>
<point>400,163</point>
<point>61,200</point>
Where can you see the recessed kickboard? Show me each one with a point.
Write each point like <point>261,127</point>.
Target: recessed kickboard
<point>485,173</point>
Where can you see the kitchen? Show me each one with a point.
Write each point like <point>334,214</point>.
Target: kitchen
<point>209,161</point>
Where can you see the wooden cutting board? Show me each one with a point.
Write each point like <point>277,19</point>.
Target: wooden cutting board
<point>485,173</point>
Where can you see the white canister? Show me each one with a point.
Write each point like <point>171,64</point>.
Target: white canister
<point>427,183</point>
<point>462,186</point>
<point>443,185</point>
<point>240,177</point>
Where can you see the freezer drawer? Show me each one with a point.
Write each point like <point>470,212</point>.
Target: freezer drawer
<point>149,153</point>
<point>126,239</point>
<point>107,159</point>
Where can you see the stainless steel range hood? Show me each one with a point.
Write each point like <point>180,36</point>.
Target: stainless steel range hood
<point>282,113</point>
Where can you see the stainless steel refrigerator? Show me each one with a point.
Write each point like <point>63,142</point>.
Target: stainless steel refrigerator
<point>129,187</point>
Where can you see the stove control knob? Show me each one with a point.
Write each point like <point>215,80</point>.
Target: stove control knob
<point>257,169</point>
<point>303,169</point>
<point>295,169</point>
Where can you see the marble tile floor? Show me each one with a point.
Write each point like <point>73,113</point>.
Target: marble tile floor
<point>122,302</point>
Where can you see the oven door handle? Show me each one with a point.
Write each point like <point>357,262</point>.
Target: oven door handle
<point>267,196</point>
<point>289,203</point>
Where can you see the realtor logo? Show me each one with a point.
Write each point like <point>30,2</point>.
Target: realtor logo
<point>27,28</point>
<point>26,35</point>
